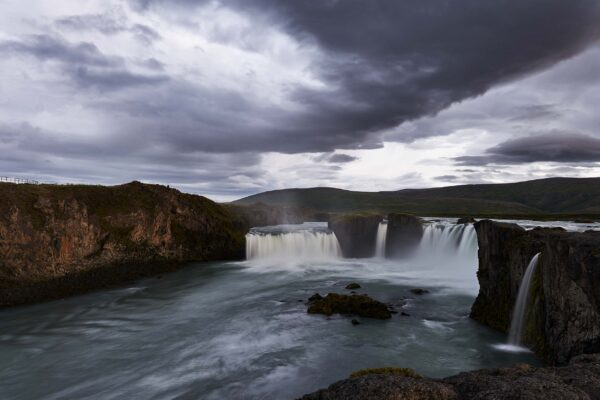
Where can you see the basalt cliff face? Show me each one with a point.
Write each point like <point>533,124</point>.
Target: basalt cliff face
<point>356,233</point>
<point>404,233</point>
<point>61,240</point>
<point>580,380</point>
<point>563,313</point>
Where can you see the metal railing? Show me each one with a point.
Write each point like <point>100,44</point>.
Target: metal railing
<point>18,180</point>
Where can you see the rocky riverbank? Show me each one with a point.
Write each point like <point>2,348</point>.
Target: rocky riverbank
<point>580,380</point>
<point>563,317</point>
<point>58,240</point>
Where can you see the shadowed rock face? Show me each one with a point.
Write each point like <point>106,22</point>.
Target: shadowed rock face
<point>404,233</point>
<point>563,313</point>
<point>579,380</point>
<point>356,233</point>
<point>61,240</point>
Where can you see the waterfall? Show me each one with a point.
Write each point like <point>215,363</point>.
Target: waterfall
<point>381,238</point>
<point>442,240</point>
<point>518,318</point>
<point>297,245</point>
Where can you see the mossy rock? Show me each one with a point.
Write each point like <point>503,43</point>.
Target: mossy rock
<point>407,372</point>
<point>352,286</point>
<point>360,305</point>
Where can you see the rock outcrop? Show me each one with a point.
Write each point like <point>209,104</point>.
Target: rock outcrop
<point>356,233</point>
<point>355,304</point>
<point>580,380</point>
<point>61,240</point>
<point>404,233</point>
<point>563,313</point>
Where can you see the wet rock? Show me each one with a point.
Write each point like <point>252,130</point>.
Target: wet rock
<point>404,234</point>
<point>579,380</point>
<point>405,314</point>
<point>355,322</point>
<point>315,297</point>
<point>419,291</point>
<point>360,305</point>
<point>563,313</point>
<point>465,220</point>
<point>353,286</point>
<point>356,233</point>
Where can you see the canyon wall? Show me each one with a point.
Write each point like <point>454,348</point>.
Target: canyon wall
<point>356,233</point>
<point>58,240</point>
<point>404,233</point>
<point>563,313</point>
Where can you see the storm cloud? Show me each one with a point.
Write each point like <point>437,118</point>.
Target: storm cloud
<point>160,87</point>
<point>552,147</point>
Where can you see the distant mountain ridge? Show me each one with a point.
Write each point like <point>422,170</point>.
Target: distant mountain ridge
<point>565,196</point>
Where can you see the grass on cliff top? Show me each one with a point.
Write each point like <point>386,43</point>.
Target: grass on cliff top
<point>407,372</point>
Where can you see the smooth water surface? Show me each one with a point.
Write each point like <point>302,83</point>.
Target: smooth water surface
<point>241,331</point>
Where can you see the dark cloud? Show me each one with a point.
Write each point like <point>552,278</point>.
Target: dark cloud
<point>448,178</point>
<point>551,147</point>
<point>387,62</point>
<point>335,158</point>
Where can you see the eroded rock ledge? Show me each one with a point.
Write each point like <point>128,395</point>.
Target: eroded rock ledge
<point>59,240</point>
<point>563,318</point>
<point>579,380</point>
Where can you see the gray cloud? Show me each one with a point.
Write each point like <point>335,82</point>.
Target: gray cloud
<point>551,147</point>
<point>335,158</point>
<point>83,62</point>
<point>391,62</point>
<point>107,24</point>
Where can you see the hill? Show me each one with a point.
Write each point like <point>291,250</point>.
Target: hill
<point>552,196</point>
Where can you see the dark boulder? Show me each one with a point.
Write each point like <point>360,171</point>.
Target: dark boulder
<point>580,380</point>
<point>360,305</point>
<point>356,233</point>
<point>404,234</point>
<point>352,286</point>
<point>419,291</point>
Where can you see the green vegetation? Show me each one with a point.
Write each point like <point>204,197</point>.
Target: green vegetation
<point>540,199</point>
<point>407,372</point>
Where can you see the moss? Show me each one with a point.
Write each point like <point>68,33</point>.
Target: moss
<point>407,372</point>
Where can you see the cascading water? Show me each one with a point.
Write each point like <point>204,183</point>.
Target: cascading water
<point>516,325</point>
<point>448,240</point>
<point>302,242</point>
<point>381,239</point>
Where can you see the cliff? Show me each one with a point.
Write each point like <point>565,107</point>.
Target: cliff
<point>404,234</point>
<point>563,314</point>
<point>356,233</point>
<point>61,240</point>
<point>579,380</point>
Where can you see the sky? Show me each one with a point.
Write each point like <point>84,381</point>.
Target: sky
<point>231,98</point>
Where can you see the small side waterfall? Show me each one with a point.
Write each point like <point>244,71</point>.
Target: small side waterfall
<point>381,238</point>
<point>516,325</point>
<point>296,245</point>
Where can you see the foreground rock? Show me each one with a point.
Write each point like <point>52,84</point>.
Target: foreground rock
<point>57,240</point>
<point>356,233</point>
<point>360,305</point>
<point>563,318</point>
<point>404,233</point>
<point>580,380</point>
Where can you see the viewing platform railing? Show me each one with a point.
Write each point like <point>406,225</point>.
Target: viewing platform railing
<point>18,180</point>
